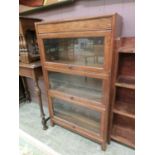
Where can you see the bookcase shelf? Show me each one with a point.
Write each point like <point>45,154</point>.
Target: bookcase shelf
<point>126,50</point>
<point>125,85</point>
<point>126,82</point>
<point>124,109</point>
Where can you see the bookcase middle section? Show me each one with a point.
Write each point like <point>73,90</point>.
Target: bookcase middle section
<point>82,87</point>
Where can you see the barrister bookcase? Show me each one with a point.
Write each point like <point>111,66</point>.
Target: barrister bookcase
<point>76,56</point>
<point>123,103</point>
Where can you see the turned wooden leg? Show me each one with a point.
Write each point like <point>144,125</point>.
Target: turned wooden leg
<point>26,92</point>
<point>38,94</point>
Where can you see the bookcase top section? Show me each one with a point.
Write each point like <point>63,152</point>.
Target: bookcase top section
<point>82,24</point>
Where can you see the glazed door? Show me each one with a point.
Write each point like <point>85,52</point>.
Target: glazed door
<point>78,115</point>
<point>74,85</point>
<point>79,51</point>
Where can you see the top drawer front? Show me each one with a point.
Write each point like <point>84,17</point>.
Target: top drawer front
<point>79,25</point>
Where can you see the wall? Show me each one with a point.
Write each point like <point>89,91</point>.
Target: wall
<point>82,8</point>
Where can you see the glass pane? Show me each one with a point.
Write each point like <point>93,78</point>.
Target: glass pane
<point>78,115</point>
<point>85,87</point>
<point>77,51</point>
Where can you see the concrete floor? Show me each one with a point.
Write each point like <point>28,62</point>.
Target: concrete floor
<point>61,140</point>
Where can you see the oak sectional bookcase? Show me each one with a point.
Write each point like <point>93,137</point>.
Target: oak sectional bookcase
<point>123,106</point>
<point>76,56</point>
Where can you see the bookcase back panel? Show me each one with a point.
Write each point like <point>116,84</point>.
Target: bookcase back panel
<point>126,64</point>
<point>81,86</point>
<point>76,51</point>
<point>78,115</point>
<point>125,95</point>
<point>124,122</point>
<point>125,100</point>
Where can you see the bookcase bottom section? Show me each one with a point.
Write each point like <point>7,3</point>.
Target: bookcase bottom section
<point>80,116</point>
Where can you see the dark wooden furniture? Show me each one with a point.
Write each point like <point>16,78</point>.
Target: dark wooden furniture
<point>27,7</point>
<point>33,71</point>
<point>22,96</point>
<point>28,48</point>
<point>123,103</point>
<point>32,3</point>
<point>76,56</point>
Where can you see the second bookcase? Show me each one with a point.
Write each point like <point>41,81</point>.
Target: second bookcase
<point>123,104</point>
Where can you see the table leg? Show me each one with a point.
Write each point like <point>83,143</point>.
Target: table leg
<point>26,92</point>
<point>38,93</point>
